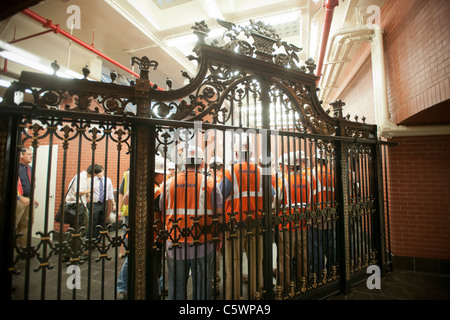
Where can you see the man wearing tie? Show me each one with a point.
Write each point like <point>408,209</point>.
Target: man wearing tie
<point>100,209</point>
<point>23,217</point>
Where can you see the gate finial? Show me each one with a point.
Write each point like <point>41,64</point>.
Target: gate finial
<point>337,108</point>
<point>144,64</point>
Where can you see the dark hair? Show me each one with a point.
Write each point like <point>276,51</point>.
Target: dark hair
<point>192,165</point>
<point>22,150</point>
<point>215,165</point>
<point>97,169</point>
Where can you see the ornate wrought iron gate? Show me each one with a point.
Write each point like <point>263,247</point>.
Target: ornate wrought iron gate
<point>296,211</point>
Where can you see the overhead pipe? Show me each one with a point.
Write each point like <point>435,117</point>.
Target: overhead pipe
<point>46,23</point>
<point>330,65</point>
<point>386,128</point>
<point>5,66</point>
<point>29,37</point>
<point>346,41</point>
<point>329,10</point>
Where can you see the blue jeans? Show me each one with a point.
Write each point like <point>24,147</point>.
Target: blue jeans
<point>122,282</point>
<point>199,268</point>
<point>323,245</point>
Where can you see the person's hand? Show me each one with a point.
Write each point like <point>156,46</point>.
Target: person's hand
<point>25,200</point>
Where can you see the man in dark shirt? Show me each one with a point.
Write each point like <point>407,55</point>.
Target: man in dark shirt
<point>24,218</point>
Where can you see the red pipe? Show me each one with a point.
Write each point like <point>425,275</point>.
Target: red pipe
<point>5,66</point>
<point>46,23</point>
<point>29,37</point>
<point>329,9</point>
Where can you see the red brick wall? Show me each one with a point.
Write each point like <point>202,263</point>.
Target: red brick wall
<point>417,50</point>
<point>420,197</point>
<point>358,96</point>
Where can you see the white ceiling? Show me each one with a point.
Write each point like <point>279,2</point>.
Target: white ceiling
<point>121,29</point>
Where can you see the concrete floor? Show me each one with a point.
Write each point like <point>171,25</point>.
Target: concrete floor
<point>403,285</point>
<point>98,282</point>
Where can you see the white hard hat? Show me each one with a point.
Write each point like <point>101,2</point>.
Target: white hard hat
<point>283,159</point>
<point>170,165</point>
<point>242,145</point>
<point>217,160</point>
<point>159,164</point>
<point>301,155</point>
<point>280,160</point>
<point>194,153</point>
<point>294,159</point>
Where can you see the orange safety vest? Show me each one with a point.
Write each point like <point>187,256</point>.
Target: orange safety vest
<point>325,186</point>
<point>188,207</point>
<point>247,195</point>
<point>277,184</point>
<point>297,193</point>
<point>219,176</point>
<point>157,192</point>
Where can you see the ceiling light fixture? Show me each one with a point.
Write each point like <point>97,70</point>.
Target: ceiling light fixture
<point>190,38</point>
<point>4,83</point>
<point>12,53</point>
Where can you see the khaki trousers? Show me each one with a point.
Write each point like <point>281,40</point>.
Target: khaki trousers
<point>292,244</point>
<point>22,217</point>
<point>252,246</point>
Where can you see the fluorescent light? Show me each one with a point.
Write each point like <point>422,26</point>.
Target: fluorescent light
<point>4,83</point>
<point>191,38</point>
<point>25,58</point>
<point>176,41</point>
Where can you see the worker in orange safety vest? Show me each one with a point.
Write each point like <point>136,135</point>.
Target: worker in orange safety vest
<point>322,234</point>
<point>292,245</point>
<point>242,189</point>
<point>189,201</point>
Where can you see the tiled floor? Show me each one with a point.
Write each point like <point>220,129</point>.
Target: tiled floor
<point>403,285</point>
<point>101,276</point>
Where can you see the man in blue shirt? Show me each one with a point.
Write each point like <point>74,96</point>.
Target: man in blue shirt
<point>24,218</point>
